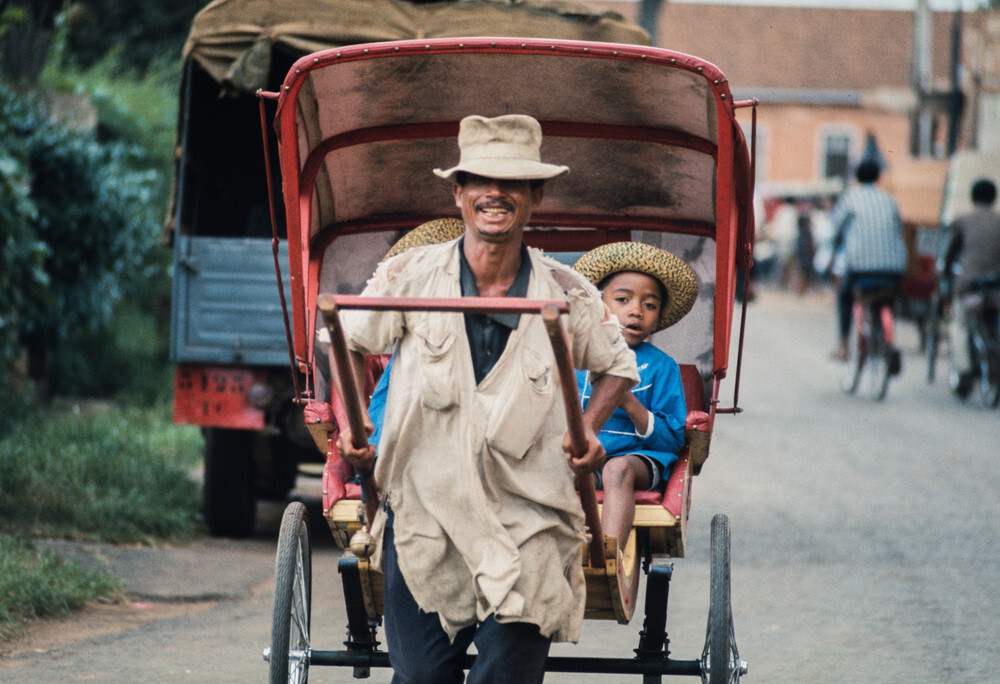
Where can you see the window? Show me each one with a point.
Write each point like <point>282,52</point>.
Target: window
<point>836,155</point>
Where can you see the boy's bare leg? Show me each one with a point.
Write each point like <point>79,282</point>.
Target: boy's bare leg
<point>622,476</point>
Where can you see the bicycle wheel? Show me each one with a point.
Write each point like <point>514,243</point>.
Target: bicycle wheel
<point>720,659</point>
<point>933,336</point>
<point>878,363</point>
<point>988,357</point>
<point>289,652</point>
<point>850,371</point>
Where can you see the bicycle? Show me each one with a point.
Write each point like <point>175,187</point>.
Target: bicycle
<point>982,310</point>
<point>872,354</point>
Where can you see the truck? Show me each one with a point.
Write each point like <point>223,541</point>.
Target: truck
<point>235,375</point>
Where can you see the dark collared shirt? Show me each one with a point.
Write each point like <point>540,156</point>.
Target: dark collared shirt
<point>488,334</point>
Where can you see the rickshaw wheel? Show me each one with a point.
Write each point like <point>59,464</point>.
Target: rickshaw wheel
<point>289,652</point>
<point>720,660</point>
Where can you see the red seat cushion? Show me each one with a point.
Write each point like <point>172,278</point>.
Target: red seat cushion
<point>651,498</point>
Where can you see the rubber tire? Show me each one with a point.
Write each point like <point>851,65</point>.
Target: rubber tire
<point>989,382</point>
<point>878,371</point>
<point>275,478</point>
<point>719,640</point>
<point>933,337</point>
<point>292,596</point>
<point>229,499</point>
<point>852,369</point>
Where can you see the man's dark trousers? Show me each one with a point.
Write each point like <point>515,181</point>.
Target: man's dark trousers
<point>419,650</point>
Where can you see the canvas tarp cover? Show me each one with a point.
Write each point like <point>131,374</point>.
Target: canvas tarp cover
<point>232,40</point>
<point>608,177</point>
<point>664,177</point>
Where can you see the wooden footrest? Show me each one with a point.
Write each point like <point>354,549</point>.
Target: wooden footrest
<point>611,590</point>
<point>652,520</point>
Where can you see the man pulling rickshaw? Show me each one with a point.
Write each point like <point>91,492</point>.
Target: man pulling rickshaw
<point>480,526</point>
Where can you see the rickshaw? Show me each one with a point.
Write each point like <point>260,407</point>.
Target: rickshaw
<point>656,155</point>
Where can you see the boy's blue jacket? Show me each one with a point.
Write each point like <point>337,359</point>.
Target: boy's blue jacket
<point>660,390</point>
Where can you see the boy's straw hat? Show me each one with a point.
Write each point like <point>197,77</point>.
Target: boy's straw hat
<point>677,277</point>
<point>505,147</point>
<point>430,233</point>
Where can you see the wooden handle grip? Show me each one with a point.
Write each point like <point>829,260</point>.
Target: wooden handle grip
<point>577,435</point>
<point>346,382</point>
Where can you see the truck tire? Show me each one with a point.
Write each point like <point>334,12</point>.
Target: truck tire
<point>228,498</point>
<point>276,466</point>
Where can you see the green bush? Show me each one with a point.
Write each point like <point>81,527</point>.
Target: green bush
<point>127,354</point>
<point>37,584</point>
<point>23,279</point>
<point>101,474</point>
<point>83,219</point>
<point>138,111</point>
<point>127,359</point>
<point>146,30</point>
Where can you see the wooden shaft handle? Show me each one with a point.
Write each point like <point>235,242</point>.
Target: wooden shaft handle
<point>346,382</point>
<point>567,379</point>
<point>574,422</point>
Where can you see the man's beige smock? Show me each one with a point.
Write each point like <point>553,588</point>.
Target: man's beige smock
<point>486,517</point>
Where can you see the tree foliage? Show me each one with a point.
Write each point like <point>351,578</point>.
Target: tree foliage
<point>23,280</point>
<point>144,31</point>
<point>78,230</point>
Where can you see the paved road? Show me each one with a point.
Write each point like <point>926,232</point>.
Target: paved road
<point>865,542</point>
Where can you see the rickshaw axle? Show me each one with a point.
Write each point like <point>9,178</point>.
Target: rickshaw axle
<point>634,666</point>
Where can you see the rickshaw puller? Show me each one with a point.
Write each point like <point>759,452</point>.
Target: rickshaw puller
<point>480,532</point>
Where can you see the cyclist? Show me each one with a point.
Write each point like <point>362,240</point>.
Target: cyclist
<point>973,255</point>
<point>868,227</point>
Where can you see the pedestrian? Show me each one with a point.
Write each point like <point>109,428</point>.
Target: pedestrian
<point>868,228</point>
<point>480,531</point>
<point>805,246</point>
<point>648,290</point>
<point>974,254</point>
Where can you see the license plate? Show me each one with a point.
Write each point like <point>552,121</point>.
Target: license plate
<point>216,396</point>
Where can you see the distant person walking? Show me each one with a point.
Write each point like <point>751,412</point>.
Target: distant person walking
<point>974,254</point>
<point>805,247</point>
<point>868,227</point>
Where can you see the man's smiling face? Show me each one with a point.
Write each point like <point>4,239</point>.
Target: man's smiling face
<point>495,210</point>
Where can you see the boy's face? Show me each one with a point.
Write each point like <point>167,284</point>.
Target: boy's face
<point>636,299</point>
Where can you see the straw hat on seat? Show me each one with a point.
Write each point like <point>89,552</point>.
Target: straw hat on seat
<point>430,233</point>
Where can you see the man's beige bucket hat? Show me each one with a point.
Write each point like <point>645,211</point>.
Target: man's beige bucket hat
<point>505,147</point>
